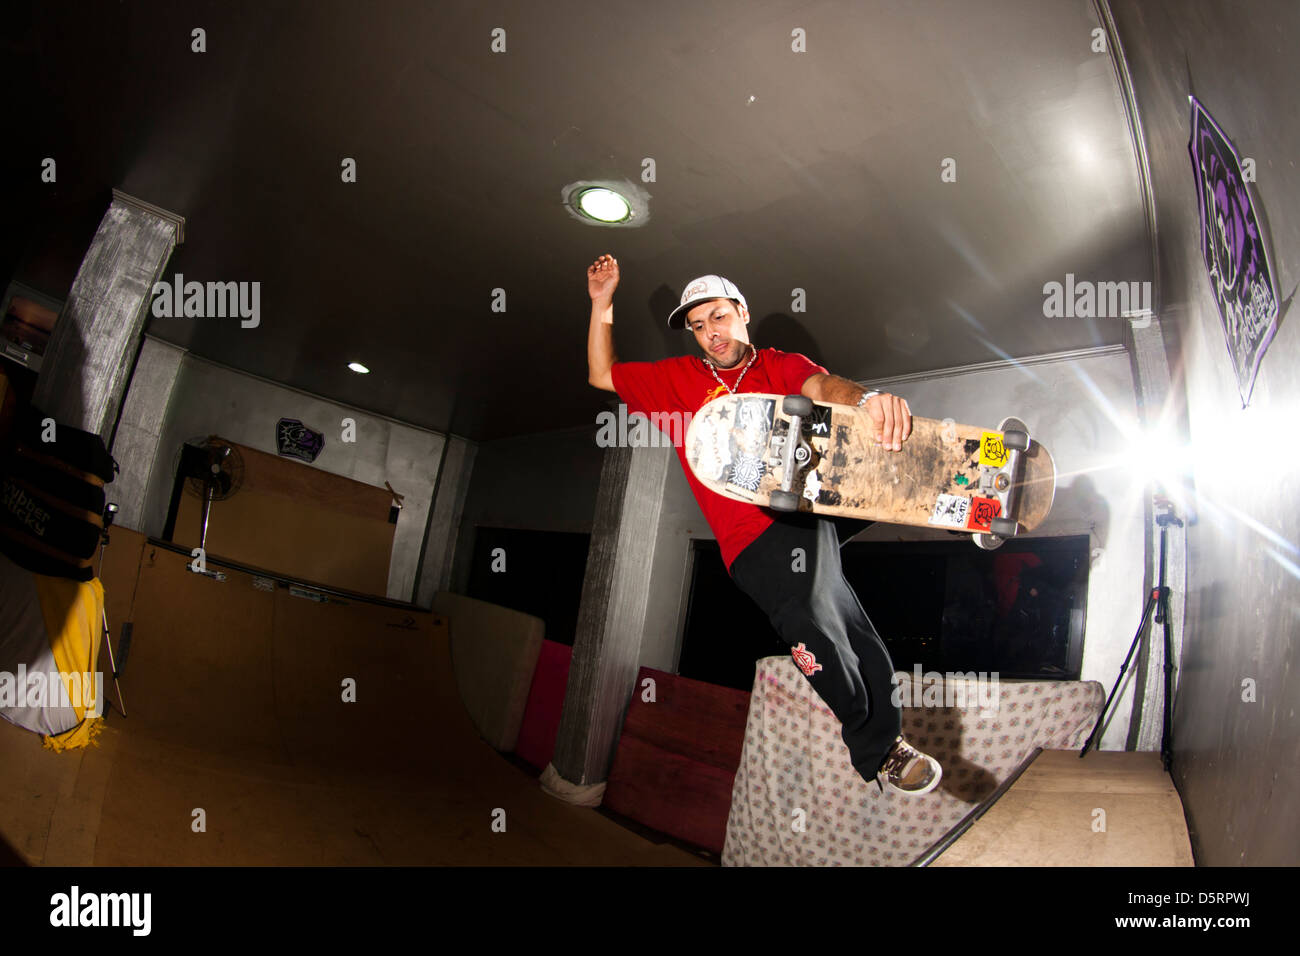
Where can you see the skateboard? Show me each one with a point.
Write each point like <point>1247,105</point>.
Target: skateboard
<point>990,483</point>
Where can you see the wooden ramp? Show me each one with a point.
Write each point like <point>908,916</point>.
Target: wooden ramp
<point>236,720</point>
<point>1108,809</point>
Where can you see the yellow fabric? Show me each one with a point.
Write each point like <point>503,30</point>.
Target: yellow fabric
<point>74,615</point>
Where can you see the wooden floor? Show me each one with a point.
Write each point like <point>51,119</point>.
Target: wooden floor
<point>1108,809</point>
<point>236,719</point>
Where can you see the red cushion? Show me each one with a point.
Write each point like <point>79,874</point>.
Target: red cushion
<point>541,721</point>
<point>677,758</point>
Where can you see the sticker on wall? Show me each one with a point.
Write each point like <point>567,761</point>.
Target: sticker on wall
<point>1234,249</point>
<point>993,451</point>
<point>293,439</point>
<point>982,513</point>
<point>950,511</point>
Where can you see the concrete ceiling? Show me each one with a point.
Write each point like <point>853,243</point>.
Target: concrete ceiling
<point>817,170</point>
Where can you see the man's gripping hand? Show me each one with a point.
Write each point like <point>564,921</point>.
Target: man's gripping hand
<point>891,418</point>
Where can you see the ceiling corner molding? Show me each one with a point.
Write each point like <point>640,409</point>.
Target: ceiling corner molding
<point>1048,358</point>
<point>1124,79</point>
<point>175,219</point>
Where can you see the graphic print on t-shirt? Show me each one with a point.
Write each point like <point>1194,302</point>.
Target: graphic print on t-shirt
<point>716,393</point>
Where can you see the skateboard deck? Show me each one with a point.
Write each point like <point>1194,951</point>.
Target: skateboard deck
<point>989,482</point>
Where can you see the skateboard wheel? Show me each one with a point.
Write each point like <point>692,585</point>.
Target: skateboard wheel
<point>1016,440</point>
<point>989,542</point>
<point>783,500</point>
<point>1004,527</point>
<point>800,405</point>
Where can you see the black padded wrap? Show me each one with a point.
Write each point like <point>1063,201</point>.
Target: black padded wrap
<point>36,494</point>
<point>84,451</point>
<point>82,495</point>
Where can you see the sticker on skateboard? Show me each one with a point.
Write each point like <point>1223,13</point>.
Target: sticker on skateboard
<point>950,511</point>
<point>992,450</point>
<point>982,513</point>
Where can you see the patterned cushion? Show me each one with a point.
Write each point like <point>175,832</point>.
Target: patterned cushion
<point>794,759</point>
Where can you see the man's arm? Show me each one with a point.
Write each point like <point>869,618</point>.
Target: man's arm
<point>602,280</point>
<point>889,414</point>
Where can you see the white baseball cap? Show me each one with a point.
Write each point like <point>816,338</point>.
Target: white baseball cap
<point>704,289</point>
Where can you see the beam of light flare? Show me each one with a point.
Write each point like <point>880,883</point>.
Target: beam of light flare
<point>1151,457</point>
<point>1156,461</point>
<point>976,324</point>
<point>1288,565</point>
<point>1225,514</point>
<point>963,248</point>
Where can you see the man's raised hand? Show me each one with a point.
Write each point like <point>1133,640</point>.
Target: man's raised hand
<point>602,278</point>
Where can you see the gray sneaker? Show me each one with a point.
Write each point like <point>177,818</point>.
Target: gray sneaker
<point>908,771</point>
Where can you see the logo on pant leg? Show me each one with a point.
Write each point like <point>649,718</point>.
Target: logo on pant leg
<point>805,660</point>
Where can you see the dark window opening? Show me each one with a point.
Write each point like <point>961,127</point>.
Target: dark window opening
<point>542,576</point>
<point>945,606</point>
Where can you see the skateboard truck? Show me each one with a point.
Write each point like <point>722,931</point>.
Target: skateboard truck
<point>1006,484</point>
<point>794,450</point>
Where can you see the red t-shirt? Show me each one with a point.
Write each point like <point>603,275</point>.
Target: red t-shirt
<point>684,384</point>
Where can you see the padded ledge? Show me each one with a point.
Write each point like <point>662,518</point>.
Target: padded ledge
<point>494,652</point>
<point>676,759</point>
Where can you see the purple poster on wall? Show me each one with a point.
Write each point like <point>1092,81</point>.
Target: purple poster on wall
<point>293,439</point>
<point>1235,253</point>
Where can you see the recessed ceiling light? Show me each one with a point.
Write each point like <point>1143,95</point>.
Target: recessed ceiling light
<point>358,367</point>
<point>604,205</point>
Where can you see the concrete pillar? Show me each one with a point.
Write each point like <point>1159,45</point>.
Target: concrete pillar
<point>139,429</point>
<point>611,619</point>
<point>449,492</point>
<point>93,347</point>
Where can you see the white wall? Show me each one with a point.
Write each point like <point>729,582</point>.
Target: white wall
<point>1234,754</point>
<point>211,399</point>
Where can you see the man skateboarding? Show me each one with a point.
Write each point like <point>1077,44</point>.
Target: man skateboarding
<point>809,603</point>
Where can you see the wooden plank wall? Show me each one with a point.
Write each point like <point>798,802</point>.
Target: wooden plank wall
<point>293,518</point>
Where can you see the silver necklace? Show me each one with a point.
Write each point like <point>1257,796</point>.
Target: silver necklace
<point>742,374</point>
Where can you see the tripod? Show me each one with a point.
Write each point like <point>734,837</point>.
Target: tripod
<point>109,514</point>
<point>1157,600</point>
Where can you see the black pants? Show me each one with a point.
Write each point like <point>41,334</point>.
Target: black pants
<point>811,604</point>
